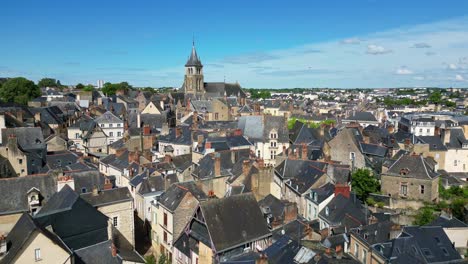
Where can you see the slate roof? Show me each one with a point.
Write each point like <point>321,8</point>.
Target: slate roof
<point>416,166</point>
<point>374,150</point>
<point>14,192</point>
<point>108,117</point>
<point>275,205</point>
<point>425,244</point>
<point>362,116</point>
<point>172,197</point>
<point>98,253</point>
<point>193,60</point>
<point>283,250</point>
<point>434,142</point>
<point>457,138</point>
<point>24,228</point>
<point>108,197</point>
<point>234,221</point>
<point>182,162</point>
<point>29,139</point>
<point>221,89</point>
<point>322,193</point>
<point>76,222</point>
<point>292,168</point>
<point>375,233</point>
<point>258,128</point>
<point>205,168</point>
<point>447,223</point>
<point>184,139</point>
<point>344,212</point>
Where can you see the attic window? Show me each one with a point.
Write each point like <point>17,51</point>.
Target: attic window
<point>327,211</point>
<point>404,171</point>
<point>427,252</point>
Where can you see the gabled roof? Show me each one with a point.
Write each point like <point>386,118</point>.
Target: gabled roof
<point>108,117</point>
<point>258,128</point>
<point>344,211</point>
<point>172,197</point>
<point>20,234</point>
<point>14,190</point>
<point>234,221</point>
<point>412,166</point>
<point>447,222</point>
<point>108,197</point>
<point>362,116</point>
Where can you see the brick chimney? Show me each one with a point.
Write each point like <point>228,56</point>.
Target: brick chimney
<point>65,180</point>
<point>195,120</point>
<point>245,167</point>
<point>134,156</point>
<point>167,158</point>
<point>95,191</point>
<point>260,163</point>
<point>343,190</point>
<point>217,164</point>
<point>114,250</point>
<point>107,184</point>
<point>304,151</point>
<point>37,116</point>
<point>178,132</point>
<point>207,145</point>
<point>237,132</point>
<point>3,245</point>
<point>146,130</point>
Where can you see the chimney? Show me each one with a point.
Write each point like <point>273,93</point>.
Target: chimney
<point>207,145</point>
<point>343,190</point>
<point>134,156</point>
<point>260,163</point>
<point>164,129</point>
<point>107,184</point>
<point>65,180</point>
<point>138,120</point>
<point>167,158</point>
<point>447,136</point>
<point>114,250</point>
<point>95,191</point>
<point>286,119</point>
<point>245,167</point>
<point>126,126</point>
<point>3,245</point>
<point>304,152</point>
<point>217,164</point>
<point>366,139</point>
<point>237,132</point>
<point>200,139</point>
<point>146,130</point>
<point>19,115</point>
<point>178,132</point>
<point>37,116</point>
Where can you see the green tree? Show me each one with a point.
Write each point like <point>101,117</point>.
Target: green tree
<point>47,82</point>
<point>364,183</point>
<point>112,88</point>
<point>150,259</point>
<point>163,259</point>
<point>458,208</point>
<point>19,90</point>
<point>435,97</point>
<point>424,216</point>
<point>79,86</point>
<point>88,88</point>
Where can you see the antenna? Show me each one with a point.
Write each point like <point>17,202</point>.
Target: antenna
<point>193,40</point>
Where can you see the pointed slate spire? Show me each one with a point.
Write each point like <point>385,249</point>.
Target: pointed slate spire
<point>193,60</point>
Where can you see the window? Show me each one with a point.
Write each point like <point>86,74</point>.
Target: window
<point>454,163</point>
<point>83,190</point>
<point>165,219</point>
<point>216,116</point>
<point>420,130</point>
<point>364,256</point>
<point>111,134</point>
<point>119,125</point>
<point>165,237</point>
<point>352,155</point>
<point>258,154</point>
<point>404,189</point>
<point>20,161</point>
<point>77,135</point>
<point>110,125</point>
<point>421,189</point>
<point>356,250</point>
<point>115,221</point>
<point>119,134</point>
<point>37,254</point>
<point>428,130</point>
<point>102,125</point>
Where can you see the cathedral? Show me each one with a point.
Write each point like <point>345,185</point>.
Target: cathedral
<point>196,88</point>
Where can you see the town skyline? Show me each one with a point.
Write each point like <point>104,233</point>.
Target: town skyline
<point>308,50</point>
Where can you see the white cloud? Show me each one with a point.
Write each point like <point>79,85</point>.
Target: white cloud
<point>350,41</point>
<point>459,78</point>
<point>452,66</point>
<point>421,45</point>
<point>403,71</point>
<point>376,50</point>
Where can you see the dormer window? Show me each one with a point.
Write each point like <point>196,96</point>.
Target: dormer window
<point>327,211</point>
<point>404,171</point>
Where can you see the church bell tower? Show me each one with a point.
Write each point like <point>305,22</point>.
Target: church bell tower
<point>193,81</point>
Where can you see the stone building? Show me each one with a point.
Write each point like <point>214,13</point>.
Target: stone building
<point>411,177</point>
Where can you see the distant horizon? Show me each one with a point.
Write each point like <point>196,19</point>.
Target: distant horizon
<point>314,44</point>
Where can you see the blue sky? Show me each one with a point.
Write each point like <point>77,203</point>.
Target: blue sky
<point>359,43</point>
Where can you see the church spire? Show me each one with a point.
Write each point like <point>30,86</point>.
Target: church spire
<point>193,60</point>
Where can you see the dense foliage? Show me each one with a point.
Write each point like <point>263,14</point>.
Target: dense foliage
<point>364,183</point>
<point>112,88</point>
<point>424,216</point>
<point>19,90</point>
<point>49,82</point>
